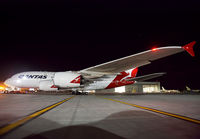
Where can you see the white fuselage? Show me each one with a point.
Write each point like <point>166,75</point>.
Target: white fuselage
<point>29,79</point>
<point>50,81</point>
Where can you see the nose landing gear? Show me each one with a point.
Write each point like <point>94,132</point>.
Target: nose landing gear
<point>79,93</point>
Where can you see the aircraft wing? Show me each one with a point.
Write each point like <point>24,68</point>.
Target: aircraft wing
<point>137,60</point>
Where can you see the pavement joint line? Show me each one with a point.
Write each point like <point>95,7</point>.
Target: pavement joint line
<point>158,111</point>
<point>7,128</point>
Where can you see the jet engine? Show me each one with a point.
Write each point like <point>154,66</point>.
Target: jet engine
<point>47,86</point>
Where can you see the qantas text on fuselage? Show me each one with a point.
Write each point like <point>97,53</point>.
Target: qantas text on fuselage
<point>32,76</point>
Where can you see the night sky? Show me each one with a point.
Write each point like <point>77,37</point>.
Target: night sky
<point>73,35</point>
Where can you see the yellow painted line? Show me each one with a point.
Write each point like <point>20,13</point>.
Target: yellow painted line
<point>18,123</point>
<point>159,111</point>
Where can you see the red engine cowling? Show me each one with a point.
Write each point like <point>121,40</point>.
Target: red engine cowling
<point>67,79</point>
<point>47,86</point>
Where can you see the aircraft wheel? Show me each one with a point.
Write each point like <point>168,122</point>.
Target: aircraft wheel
<point>85,93</point>
<point>73,93</point>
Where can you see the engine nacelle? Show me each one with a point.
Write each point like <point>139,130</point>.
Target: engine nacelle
<point>67,79</point>
<point>47,86</point>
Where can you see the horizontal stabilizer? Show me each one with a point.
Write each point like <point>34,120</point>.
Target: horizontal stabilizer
<point>146,77</point>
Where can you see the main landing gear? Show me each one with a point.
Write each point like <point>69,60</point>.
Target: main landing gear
<point>79,93</point>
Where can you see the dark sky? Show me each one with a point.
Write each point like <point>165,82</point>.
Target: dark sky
<point>73,35</point>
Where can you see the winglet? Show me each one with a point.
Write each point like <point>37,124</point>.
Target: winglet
<point>189,48</point>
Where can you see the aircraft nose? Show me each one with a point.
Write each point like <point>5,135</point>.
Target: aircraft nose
<point>7,82</point>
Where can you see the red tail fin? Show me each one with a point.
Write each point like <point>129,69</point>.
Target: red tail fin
<point>134,72</point>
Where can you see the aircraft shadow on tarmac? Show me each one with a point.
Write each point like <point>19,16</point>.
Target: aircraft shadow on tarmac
<point>125,124</point>
<point>76,132</point>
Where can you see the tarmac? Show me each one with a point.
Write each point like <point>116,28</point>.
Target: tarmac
<point>99,116</point>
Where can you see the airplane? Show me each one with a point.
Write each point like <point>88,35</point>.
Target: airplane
<point>108,75</point>
<point>163,90</point>
<point>192,90</point>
